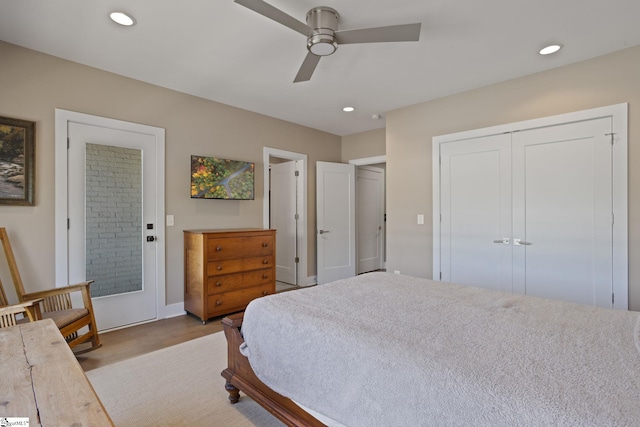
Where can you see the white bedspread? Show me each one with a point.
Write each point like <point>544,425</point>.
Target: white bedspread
<point>389,350</point>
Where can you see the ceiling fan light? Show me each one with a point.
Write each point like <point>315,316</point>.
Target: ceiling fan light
<point>323,48</point>
<point>321,44</point>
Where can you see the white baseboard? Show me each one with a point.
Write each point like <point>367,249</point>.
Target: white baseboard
<point>309,281</point>
<point>173,310</point>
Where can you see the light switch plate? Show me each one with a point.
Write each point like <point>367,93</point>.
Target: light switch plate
<point>420,219</point>
<point>170,221</point>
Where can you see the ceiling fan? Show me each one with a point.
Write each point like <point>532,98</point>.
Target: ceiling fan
<point>322,32</point>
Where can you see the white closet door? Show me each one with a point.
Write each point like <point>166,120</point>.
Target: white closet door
<point>562,180</point>
<point>476,212</point>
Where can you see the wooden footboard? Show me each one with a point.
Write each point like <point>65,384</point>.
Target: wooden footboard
<point>240,377</point>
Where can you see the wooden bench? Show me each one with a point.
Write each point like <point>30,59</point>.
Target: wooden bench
<point>42,380</point>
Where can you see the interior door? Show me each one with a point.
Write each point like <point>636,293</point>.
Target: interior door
<point>112,190</point>
<point>283,217</point>
<point>476,212</point>
<point>335,219</point>
<point>563,238</point>
<point>531,212</point>
<point>370,218</point>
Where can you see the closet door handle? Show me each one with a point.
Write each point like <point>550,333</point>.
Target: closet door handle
<point>520,242</point>
<point>504,241</point>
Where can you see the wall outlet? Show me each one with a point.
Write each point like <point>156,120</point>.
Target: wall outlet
<point>396,271</point>
<point>170,221</point>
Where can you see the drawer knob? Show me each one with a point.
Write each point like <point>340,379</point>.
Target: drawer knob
<point>218,284</point>
<point>218,248</point>
<point>264,276</point>
<point>266,261</point>
<point>265,293</point>
<point>218,303</point>
<point>219,268</point>
<point>264,245</point>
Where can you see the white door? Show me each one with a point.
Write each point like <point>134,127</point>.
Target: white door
<point>562,212</point>
<point>335,221</point>
<point>283,217</point>
<point>476,212</point>
<point>530,212</point>
<point>113,221</point>
<point>370,218</point>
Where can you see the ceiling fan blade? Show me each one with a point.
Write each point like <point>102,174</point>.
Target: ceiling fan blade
<point>277,15</point>
<point>307,68</point>
<point>393,33</point>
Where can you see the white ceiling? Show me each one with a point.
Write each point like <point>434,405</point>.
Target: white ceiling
<point>219,50</point>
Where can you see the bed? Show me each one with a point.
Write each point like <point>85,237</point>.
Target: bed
<point>385,349</point>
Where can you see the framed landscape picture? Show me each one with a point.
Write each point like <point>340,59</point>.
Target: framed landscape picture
<point>17,161</point>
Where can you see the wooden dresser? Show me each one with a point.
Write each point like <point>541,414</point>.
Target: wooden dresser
<point>227,268</point>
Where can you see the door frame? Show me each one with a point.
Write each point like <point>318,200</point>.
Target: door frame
<point>619,116</point>
<point>301,167</point>
<point>62,118</point>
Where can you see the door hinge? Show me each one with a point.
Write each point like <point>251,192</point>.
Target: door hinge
<point>613,218</point>
<point>296,217</point>
<point>296,173</point>
<point>297,259</point>
<point>68,142</point>
<point>613,299</point>
<point>441,275</point>
<point>68,224</point>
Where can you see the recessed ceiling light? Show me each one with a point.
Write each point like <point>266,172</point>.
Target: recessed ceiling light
<point>122,19</point>
<point>348,109</point>
<point>548,50</point>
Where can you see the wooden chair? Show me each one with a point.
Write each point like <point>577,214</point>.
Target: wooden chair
<point>29,310</point>
<point>56,304</point>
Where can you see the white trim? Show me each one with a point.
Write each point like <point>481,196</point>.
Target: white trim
<point>301,167</point>
<point>174,310</point>
<point>62,119</point>
<point>368,160</point>
<point>619,115</point>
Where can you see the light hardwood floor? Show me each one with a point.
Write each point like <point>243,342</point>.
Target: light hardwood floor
<point>136,340</point>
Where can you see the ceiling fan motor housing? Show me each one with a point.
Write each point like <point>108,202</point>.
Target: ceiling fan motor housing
<point>324,21</point>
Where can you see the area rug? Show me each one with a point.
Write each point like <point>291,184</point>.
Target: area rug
<point>176,386</point>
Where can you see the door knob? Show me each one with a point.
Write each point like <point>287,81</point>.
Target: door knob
<point>323,231</point>
<point>504,241</point>
<point>151,238</point>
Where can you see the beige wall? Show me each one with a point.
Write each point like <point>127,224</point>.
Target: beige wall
<point>32,85</point>
<point>603,81</point>
<point>364,144</point>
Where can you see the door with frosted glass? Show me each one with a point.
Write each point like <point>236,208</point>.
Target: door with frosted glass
<point>112,221</point>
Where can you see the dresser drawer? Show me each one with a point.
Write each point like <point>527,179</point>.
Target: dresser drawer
<point>236,300</point>
<point>217,268</point>
<point>233,282</point>
<point>239,247</point>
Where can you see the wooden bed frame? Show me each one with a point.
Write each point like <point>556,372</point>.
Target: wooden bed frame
<point>240,377</point>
